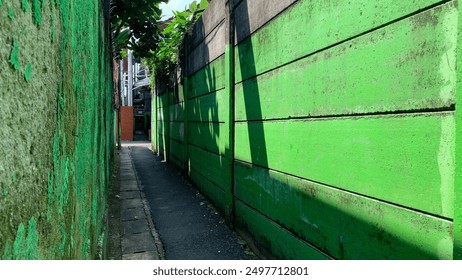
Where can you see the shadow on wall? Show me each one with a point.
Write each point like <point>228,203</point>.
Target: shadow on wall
<point>318,221</point>
<point>251,90</point>
<point>191,133</point>
<point>311,221</point>
<point>206,137</point>
<point>285,216</point>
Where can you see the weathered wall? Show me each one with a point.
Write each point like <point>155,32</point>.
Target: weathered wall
<point>56,126</point>
<point>339,118</point>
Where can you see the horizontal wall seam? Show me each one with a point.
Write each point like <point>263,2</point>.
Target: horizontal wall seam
<point>205,150</point>
<point>177,158</point>
<point>435,5</point>
<point>177,140</point>
<point>286,229</point>
<point>207,179</point>
<point>174,104</point>
<point>417,211</point>
<point>447,110</point>
<point>210,62</point>
<point>194,47</point>
<point>204,94</point>
<point>263,25</point>
<point>208,122</point>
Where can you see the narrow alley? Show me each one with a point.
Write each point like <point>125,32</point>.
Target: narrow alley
<point>156,214</point>
<point>230,130</point>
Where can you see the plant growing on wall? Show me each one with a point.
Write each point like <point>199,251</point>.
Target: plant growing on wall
<point>136,25</point>
<point>166,56</point>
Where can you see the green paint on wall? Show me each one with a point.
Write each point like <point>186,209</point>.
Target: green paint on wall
<point>319,214</point>
<point>55,195</point>
<point>14,57</point>
<point>10,13</point>
<point>281,242</point>
<point>50,196</point>
<point>37,13</point>
<point>8,251</point>
<point>25,246</point>
<point>344,152</point>
<point>307,28</point>
<point>25,6</point>
<point>28,73</point>
<point>350,79</point>
<point>344,129</point>
<point>52,25</point>
<point>32,240</point>
<point>210,78</point>
<point>19,245</point>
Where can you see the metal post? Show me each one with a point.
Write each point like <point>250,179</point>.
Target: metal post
<point>121,82</point>
<point>130,78</point>
<point>229,85</point>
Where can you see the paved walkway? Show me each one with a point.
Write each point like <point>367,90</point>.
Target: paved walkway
<point>164,217</point>
<point>138,237</point>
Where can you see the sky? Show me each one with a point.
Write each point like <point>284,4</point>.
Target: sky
<point>176,5</point>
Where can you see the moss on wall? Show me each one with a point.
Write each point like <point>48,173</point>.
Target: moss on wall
<point>55,129</point>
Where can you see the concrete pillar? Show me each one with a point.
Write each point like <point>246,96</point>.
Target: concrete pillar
<point>130,78</point>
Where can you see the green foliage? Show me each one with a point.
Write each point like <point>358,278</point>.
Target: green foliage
<point>135,26</point>
<point>166,56</point>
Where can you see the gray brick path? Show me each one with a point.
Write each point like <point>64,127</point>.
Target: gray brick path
<point>137,232</point>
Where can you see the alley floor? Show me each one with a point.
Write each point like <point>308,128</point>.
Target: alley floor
<point>154,213</point>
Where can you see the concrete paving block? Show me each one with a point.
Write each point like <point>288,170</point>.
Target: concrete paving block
<point>129,186</point>
<point>137,243</point>
<point>126,169</point>
<point>132,214</point>
<point>137,226</point>
<point>130,194</point>
<point>150,255</point>
<point>127,178</point>
<point>132,203</point>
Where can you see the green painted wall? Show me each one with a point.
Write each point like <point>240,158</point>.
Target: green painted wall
<point>329,139</point>
<point>56,126</point>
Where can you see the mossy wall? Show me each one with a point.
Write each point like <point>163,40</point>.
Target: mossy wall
<point>56,126</point>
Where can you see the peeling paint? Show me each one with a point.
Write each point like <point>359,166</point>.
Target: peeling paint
<point>28,73</point>
<point>59,120</point>
<point>14,58</point>
<point>25,6</point>
<point>37,11</point>
<point>10,13</point>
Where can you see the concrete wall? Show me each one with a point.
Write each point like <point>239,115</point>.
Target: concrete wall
<point>326,129</point>
<point>56,129</point>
